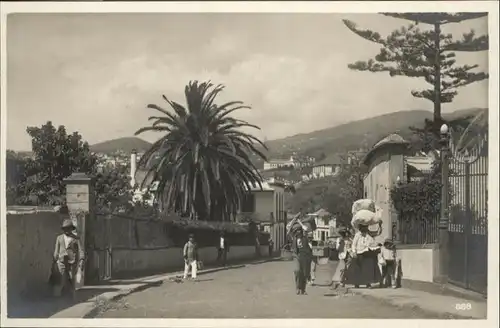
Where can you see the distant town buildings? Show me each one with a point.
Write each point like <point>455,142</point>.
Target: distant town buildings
<point>299,169</point>
<point>114,160</point>
<point>293,162</point>
<point>330,166</point>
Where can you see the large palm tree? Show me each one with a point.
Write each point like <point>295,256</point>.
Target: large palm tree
<point>204,167</point>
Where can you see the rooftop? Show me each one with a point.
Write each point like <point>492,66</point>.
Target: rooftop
<point>320,213</point>
<point>392,139</point>
<point>333,159</point>
<point>279,161</point>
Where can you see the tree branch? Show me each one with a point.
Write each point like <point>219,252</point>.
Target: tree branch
<point>469,43</point>
<point>436,18</point>
<point>365,34</point>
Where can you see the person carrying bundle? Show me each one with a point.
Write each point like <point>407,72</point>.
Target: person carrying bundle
<point>365,255</point>
<point>364,248</point>
<point>301,252</point>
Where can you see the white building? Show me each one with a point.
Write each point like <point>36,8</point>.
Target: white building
<point>329,166</point>
<point>266,207</point>
<point>137,178</point>
<point>325,224</point>
<point>291,162</point>
<point>279,163</point>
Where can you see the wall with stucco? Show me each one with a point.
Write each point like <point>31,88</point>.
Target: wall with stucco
<point>132,262</point>
<point>377,188</point>
<point>31,237</point>
<point>384,168</point>
<point>419,262</point>
<point>264,206</point>
<point>270,212</point>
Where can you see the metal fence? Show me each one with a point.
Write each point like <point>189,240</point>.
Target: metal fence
<point>468,226</point>
<point>417,229</point>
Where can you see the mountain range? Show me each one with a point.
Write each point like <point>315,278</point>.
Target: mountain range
<point>338,139</point>
<point>126,144</point>
<point>356,134</point>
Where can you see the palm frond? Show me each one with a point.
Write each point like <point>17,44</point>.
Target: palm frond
<point>205,167</point>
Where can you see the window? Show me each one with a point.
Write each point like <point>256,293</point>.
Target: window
<point>280,199</point>
<point>248,203</point>
<point>277,206</point>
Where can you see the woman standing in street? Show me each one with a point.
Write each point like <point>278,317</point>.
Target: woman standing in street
<point>314,261</point>
<point>344,249</point>
<point>365,258</point>
<point>302,254</point>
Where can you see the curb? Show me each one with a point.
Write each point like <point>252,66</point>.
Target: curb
<point>445,290</point>
<point>158,281</point>
<point>442,315</point>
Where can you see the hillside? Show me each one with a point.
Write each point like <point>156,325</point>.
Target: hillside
<point>350,136</point>
<point>126,144</point>
<point>353,135</point>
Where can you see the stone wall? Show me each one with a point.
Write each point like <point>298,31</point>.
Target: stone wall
<point>31,238</point>
<point>134,262</point>
<point>31,235</point>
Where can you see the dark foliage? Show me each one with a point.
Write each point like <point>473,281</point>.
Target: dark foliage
<point>427,54</point>
<point>205,167</point>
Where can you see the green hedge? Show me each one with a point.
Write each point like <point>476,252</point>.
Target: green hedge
<point>420,198</point>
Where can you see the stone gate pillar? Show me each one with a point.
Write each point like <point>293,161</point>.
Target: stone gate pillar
<point>80,202</point>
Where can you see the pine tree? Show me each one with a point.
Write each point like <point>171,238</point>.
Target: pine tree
<point>427,54</point>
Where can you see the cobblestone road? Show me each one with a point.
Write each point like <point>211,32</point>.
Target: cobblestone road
<point>263,290</point>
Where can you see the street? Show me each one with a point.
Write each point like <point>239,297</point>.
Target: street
<point>263,290</point>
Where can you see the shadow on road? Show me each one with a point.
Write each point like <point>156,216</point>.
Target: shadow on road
<point>45,306</point>
<point>202,280</point>
<point>323,285</point>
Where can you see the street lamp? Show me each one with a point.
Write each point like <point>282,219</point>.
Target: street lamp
<point>444,220</point>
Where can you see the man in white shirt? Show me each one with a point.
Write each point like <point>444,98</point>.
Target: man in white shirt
<point>223,249</point>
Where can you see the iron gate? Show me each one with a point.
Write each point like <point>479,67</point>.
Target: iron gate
<point>468,228</point>
<point>98,246</point>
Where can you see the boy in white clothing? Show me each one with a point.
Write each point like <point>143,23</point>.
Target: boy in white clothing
<point>388,259</point>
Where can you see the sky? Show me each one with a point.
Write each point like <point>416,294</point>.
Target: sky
<point>96,73</point>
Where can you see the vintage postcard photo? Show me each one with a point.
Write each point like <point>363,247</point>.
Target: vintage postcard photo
<point>252,161</point>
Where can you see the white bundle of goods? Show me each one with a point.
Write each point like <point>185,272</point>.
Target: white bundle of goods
<point>365,217</point>
<point>363,204</point>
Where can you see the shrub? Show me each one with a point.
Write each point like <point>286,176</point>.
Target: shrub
<point>420,198</point>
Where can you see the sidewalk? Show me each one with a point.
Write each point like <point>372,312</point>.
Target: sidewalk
<point>90,298</point>
<point>431,302</point>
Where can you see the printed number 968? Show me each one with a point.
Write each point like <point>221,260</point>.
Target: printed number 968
<point>463,306</point>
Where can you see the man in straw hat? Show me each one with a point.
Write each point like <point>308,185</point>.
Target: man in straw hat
<point>190,253</point>
<point>302,255</point>
<point>68,257</point>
